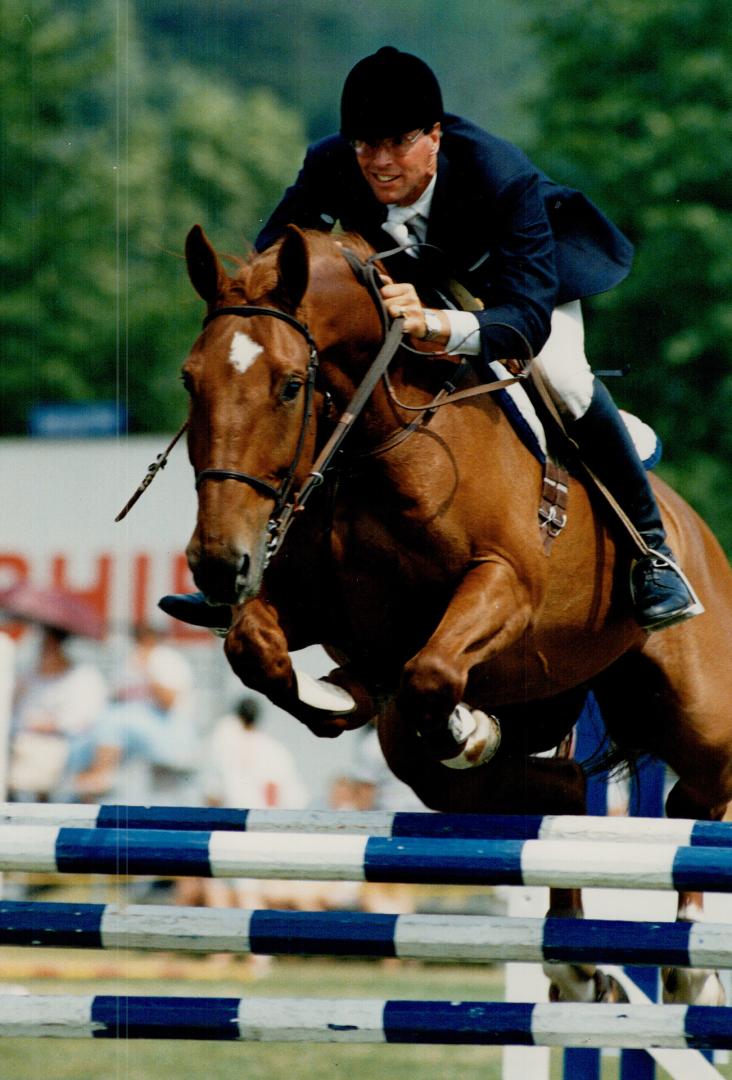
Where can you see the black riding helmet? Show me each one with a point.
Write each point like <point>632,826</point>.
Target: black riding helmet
<point>389,93</point>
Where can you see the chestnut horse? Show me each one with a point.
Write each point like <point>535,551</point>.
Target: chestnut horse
<point>419,565</point>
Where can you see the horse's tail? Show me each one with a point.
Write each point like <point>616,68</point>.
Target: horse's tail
<point>619,764</point>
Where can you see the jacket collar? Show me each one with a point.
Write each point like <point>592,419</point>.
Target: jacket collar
<point>441,223</point>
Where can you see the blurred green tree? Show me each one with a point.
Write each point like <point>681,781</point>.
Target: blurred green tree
<point>106,162</point>
<point>304,50</point>
<point>54,200</point>
<point>636,111</point>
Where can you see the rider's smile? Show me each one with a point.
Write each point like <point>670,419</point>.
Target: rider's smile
<point>401,179</point>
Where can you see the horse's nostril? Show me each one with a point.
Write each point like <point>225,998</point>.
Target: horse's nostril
<point>222,576</point>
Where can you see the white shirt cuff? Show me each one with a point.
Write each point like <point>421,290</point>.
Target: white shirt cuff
<point>464,333</point>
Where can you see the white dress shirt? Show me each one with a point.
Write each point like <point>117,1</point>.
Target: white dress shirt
<point>405,223</point>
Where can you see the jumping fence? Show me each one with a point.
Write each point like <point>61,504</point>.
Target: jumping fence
<point>424,848</point>
<point>334,854</point>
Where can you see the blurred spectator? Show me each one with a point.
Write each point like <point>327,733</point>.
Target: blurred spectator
<point>56,703</point>
<point>246,767</point>
<point>144,747</point>
<point>344,793</point>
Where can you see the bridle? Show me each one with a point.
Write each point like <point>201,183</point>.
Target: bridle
<point>286,505</point>
<point>281,494</point>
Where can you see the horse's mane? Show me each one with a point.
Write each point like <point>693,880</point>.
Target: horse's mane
<point>256,276</point>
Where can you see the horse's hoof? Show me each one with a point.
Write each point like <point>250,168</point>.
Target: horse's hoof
<point>692,986</point>
<point>478,731</point>
<point>608,989</point>
<point>323,695</point>
<point>583,983</point>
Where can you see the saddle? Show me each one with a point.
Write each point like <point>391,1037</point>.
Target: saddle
<point>545,437</point>
<point>534,417</point>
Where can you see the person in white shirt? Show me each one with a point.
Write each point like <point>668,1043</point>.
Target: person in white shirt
<point>246,767</point>
<point>57,702</point>
<point>145,744</point>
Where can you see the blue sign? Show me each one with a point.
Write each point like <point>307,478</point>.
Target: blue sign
<point>77,420</point>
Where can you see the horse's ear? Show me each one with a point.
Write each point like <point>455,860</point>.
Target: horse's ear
<point>293,269</point>
<point>207,275</point>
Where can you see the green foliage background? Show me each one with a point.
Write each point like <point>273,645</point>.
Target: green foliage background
<point>636,110</point>
<point>123,124</point>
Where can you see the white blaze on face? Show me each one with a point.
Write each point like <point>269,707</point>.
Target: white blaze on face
<point>243,352</point>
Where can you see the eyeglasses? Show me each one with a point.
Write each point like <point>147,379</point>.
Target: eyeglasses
<point>398,145</point>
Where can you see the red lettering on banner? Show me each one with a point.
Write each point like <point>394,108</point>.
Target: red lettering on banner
<point>140,588</point>
<point>96,595</point>
<point>102,578</point>
<point>13,569</point>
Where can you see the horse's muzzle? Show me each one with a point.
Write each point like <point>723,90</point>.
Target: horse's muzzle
<point>229,578</point>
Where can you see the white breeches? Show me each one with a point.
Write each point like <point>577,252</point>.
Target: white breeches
<point>563,363</point>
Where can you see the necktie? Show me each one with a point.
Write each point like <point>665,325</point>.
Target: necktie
<point>396,225</point>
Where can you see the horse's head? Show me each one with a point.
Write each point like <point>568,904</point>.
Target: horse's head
<point>253,401</point>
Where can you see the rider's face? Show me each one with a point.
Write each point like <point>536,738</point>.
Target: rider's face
<point>396,175</point>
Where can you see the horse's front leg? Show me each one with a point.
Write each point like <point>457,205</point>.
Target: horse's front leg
<point>488,612</point>
<point>257,650</point>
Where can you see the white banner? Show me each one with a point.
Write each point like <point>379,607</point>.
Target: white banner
<point>60,499</point>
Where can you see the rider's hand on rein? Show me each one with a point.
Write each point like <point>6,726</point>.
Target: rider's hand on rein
<point>401,301</point>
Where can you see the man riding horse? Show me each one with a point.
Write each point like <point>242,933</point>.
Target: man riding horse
<point>463,205</point>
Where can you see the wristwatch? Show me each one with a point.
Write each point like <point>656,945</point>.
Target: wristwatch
<point>433,324</point>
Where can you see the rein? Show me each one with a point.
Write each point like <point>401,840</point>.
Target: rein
<point>367,274</point>
<point>317,474</point>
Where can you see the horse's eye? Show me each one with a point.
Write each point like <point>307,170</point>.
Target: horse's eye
<point>187,381</point>
<point>291,389</point>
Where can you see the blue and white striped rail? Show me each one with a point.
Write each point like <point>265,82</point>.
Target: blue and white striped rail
<point>457,939</point>
<point>365,1021</point>
<point>682,832</point>
<point>167,853</point>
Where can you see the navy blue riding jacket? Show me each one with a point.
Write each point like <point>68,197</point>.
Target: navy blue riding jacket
<point>513,237</point>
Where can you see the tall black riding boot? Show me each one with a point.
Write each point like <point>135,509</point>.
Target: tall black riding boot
<point>660,593</point>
